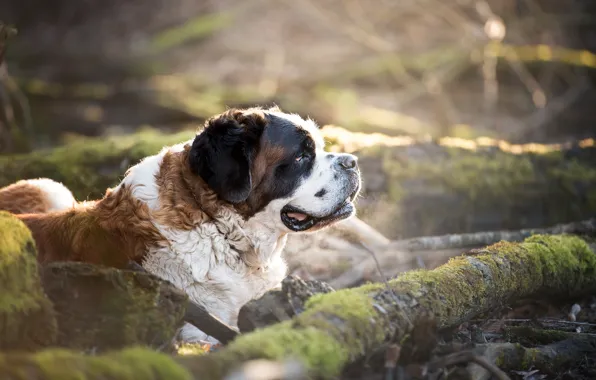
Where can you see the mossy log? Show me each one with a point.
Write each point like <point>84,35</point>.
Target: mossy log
<point>57,364</point>
<point>87,166</point>
<point>402,255</point>
<point>27,319</point>
<point>411,187</point>
<point>101,308</point>
<point>343,326</point>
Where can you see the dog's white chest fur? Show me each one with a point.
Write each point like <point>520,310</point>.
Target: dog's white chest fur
<point>202,263</point>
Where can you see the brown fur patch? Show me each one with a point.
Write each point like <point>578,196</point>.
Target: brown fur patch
<point>111,231</point>
<point>185,199</point>
<point>23,198</point>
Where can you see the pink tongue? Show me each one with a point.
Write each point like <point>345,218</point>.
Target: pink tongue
<point>297,216</point>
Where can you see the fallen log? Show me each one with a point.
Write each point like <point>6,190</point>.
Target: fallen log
<point>199,317</point>
<point>100,308</point>
<point>27,319</point>
<point>57,364</point>
<point>339,327</point>
<point>343,326</point>
<point>411,187</point>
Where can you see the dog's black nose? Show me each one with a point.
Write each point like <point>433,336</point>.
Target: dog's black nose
<point>347,161</point>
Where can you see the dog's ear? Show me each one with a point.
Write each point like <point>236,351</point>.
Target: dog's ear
<point>223,152</point>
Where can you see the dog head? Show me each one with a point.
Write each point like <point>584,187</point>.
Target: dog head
<point>272,163</point>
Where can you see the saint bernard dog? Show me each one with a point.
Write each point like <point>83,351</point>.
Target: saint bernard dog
<point>211,215</point>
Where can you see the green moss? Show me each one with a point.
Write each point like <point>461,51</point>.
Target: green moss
<point>452,284</point>
<point>568,253</point>
<point>462,171</point>
<point>529,358</point>
<point>118,309</point>
<point>341,326</point>
<point>133,363</point>
<point>465,186</point>
<point>87,166</point>
<point>12,243</point>
<point>547,257</point>
<point>349,309</point>
<point>561,264</point>
<point>315,348</point>
<point>324,348</point>
<point>27,318</point>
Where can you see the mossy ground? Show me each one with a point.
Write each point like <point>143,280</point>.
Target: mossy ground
<point>27,319</point>
<point>56,364</point>
<point>88,166</point>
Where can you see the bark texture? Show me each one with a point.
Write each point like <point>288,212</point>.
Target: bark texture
<point>100,308</point>
<point>279,305</point>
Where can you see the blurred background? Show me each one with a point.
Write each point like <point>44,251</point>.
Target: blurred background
<point>520,70</point>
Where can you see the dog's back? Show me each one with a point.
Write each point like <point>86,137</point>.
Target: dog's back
<point>35,202</point>
<point>35,196</point>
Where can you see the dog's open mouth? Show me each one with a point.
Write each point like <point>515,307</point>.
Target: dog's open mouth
<point>298,220</point>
